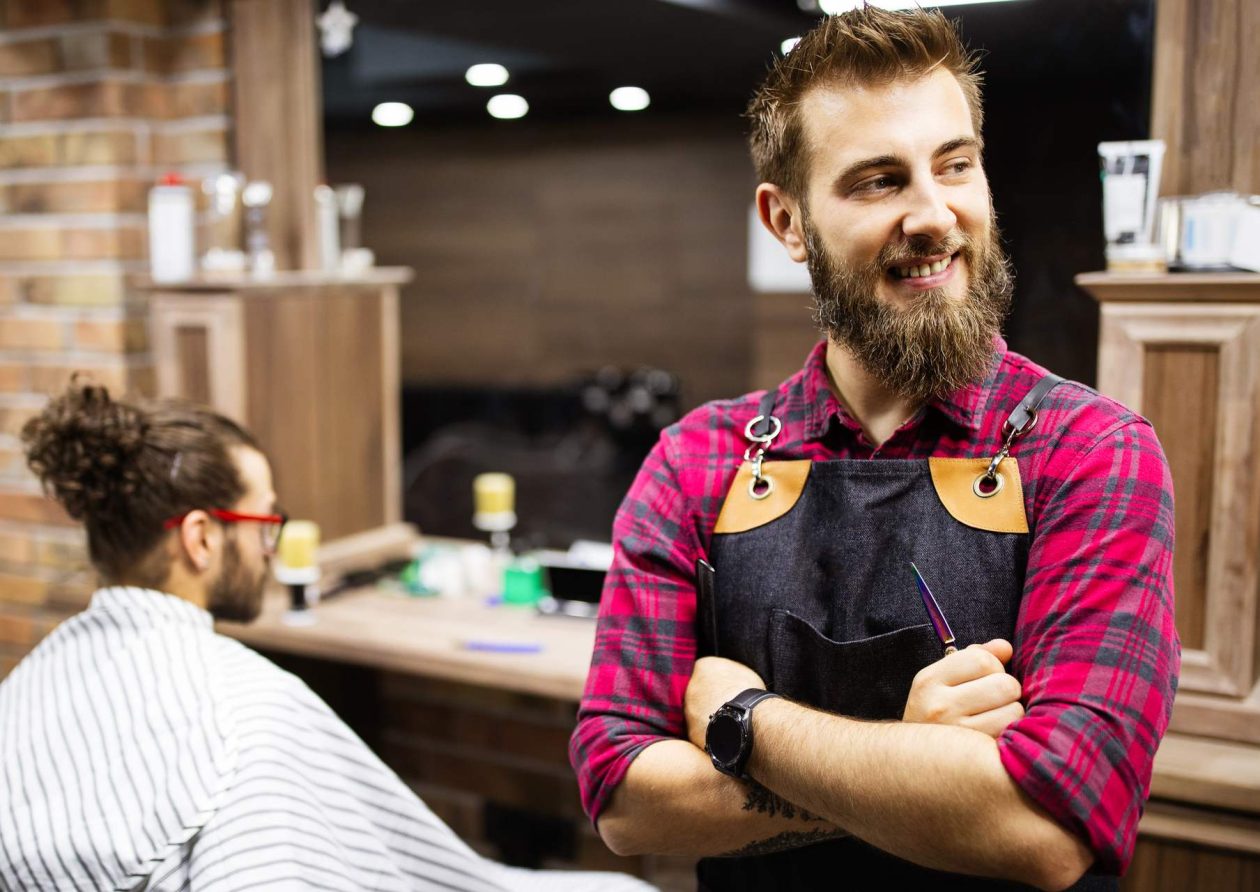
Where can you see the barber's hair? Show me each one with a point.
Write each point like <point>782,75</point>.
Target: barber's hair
<point>123,468</point>
<point>865,47</point>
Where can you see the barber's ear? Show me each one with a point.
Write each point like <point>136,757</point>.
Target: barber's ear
<point>197,539</point>
<point>780,213</point>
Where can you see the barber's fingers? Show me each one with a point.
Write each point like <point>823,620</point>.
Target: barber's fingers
<point>999,647</point>
<point>935,703</point>
<point>974,661</point>
<point>983,694</point>
<point>995,721</point>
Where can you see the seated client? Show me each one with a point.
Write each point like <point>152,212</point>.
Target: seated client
<point>141,750</point>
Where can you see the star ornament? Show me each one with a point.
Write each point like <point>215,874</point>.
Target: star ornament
<point>336,28</point>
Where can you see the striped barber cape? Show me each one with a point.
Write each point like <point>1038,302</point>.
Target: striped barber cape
<point>140,750</point>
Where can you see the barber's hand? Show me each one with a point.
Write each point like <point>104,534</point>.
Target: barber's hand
<point>968,688</point>
<point>714,681</point>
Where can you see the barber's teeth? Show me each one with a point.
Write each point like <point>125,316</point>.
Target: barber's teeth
<point>926,269</point>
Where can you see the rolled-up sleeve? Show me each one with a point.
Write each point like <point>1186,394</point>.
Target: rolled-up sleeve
<point>645,638</point>
<point>1096,648</point>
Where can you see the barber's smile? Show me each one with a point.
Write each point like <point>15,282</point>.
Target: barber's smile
<point>923,273</point>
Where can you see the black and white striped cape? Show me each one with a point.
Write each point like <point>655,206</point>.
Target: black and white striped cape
<point>140,750</point>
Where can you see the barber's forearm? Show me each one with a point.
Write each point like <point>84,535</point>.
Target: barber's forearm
<point>672,801</point>
<point>934,794</point>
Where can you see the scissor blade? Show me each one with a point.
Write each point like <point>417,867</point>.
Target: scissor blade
<point>939,623</point>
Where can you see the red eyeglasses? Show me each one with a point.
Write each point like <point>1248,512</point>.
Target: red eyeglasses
<point>269,525</point>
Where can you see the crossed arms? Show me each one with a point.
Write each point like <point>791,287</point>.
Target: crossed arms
<point>936,794</point>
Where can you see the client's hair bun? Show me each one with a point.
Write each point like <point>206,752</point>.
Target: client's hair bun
<point>85,447</point>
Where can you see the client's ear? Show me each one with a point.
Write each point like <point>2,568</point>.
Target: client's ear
<point>197,536</point>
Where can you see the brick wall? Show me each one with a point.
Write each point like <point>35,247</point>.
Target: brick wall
<point>98,98</point>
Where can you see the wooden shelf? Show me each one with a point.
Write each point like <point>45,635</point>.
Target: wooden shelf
<point>1172,287</point>
<point>286,280</point>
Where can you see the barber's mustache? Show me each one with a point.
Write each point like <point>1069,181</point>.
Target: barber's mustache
<point>915,248</point>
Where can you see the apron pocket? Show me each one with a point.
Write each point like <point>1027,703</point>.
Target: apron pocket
<point>868,678</point>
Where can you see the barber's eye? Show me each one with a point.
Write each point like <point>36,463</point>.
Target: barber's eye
<point>876,184</point>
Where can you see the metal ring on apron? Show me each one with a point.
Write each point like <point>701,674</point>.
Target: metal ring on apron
<point>997,485</point>
<point>775,426</point>
<point>752,487</point>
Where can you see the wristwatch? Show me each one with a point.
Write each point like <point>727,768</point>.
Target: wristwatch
<point>729,737</point>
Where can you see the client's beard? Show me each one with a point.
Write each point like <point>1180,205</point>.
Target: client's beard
<point>932,347</point>
<point>237,593</point>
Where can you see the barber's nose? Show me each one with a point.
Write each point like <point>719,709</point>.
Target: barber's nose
<point>929,213</point>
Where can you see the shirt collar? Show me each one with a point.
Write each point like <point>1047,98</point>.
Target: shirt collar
<point>151,604</point>
<point>964,407</point>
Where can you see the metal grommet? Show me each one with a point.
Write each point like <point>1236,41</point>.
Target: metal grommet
<point>759,495</point>
<point>997,485</point>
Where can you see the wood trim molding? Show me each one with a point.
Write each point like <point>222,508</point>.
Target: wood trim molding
<point>1190,825</point>
<point>391,371</point>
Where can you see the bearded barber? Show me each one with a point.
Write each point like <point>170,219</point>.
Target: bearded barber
<point>1038,512</point>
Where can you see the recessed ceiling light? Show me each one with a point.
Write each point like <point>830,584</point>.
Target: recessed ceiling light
<point>392,114</point>
<point>786,46</point>
<point>629,99</point>
<point>486,74</point>
<point>507,106</point>
<point>835,7</point>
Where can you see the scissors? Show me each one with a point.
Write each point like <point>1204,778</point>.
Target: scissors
<point>939,623</point>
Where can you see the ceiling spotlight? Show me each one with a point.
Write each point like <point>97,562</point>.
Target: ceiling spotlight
<point>486,74</point>
<point>629,99</point>
<point>786,46</point>
<point>507,106</point>
<point>392,114</point>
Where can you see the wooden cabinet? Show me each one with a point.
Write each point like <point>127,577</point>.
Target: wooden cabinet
<point>1184,351</point>
<point>310,365</point>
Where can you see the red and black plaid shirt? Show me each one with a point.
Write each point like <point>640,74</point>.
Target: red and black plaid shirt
<point>1095,645</point>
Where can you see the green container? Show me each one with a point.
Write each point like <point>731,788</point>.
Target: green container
<point>523,582</point>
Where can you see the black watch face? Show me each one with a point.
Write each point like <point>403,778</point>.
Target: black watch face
<point>724,737</point>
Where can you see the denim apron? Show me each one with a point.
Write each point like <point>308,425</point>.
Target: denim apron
<point>812,588</point>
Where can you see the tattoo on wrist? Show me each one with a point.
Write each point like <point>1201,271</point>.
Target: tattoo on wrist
<point>793,839</point>
<point>762,800</point>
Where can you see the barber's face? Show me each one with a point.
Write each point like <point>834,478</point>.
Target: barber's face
<point>237,590</point>
<point>898,230</point>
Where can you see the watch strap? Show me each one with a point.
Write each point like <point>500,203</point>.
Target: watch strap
<point>747,699</point>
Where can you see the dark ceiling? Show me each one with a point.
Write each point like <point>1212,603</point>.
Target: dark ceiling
<point>691,55</point>
<point>564,55</point>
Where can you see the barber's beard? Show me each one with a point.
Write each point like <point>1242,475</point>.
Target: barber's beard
<point>236,594</point>
<point>934,346</point>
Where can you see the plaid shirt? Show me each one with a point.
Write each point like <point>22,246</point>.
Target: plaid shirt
<point>1095,645</point>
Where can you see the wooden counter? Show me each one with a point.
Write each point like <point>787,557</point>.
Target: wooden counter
<point>429,637</point>
<point>423,636</point>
